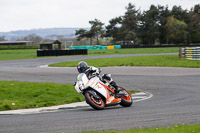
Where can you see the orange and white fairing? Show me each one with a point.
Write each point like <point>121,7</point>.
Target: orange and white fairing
<point>83,83</point>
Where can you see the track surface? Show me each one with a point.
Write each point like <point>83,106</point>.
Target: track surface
<point>176,98</point>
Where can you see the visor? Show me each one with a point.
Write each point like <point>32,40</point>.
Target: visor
<point>81,70</point>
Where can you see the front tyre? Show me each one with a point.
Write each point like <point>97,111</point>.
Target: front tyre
<point>93,101</point>
<point>126,101</point>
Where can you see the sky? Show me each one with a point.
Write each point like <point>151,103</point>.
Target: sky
<point>35,14</point>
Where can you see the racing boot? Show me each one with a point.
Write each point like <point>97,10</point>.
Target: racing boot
<point>118,91</point>
<point>115,86</point>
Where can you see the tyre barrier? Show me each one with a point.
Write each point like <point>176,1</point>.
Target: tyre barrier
<point>190,53</point>
<point>62,52</point>
<point>98,47</point>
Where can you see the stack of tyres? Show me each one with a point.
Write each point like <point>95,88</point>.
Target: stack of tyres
<point>73,52</point>
<point>129,46</point>
<point>84,52</point>
<point>53,52</point>
<point>39,53</point>
<point>46,52</point>
<point>110,47</point>
<point>190,53</point>
<point>62,52</point>
<point>117,46</point>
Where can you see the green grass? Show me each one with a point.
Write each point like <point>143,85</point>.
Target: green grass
<point>20,95</point>
<point>18,54</point>
<point>175,129</point>
<point>158,60</point>
<point>133,51</point>
<point>32,53</point>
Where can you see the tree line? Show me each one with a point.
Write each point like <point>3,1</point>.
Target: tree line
<point>156,26</point>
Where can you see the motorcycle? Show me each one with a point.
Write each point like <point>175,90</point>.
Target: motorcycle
<point>99,94</point>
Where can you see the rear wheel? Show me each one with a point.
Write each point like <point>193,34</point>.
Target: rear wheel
<point>126,100</point>
<point>95,101</point>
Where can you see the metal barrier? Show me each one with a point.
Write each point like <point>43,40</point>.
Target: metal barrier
<point>190,53</point>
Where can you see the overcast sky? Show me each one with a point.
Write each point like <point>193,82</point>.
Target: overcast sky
<point>34,14</point>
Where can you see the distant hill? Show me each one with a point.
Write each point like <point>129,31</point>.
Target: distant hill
<point>50,33</point>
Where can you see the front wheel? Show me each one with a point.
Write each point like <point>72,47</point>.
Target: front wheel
<point>94,100</point>
<point>126,100</point>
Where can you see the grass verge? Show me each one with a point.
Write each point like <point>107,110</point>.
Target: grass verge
<point>18,54</point>
<point>158,60</point>
<point>20,95</point>
<point>32,53</point>
<point>175,129</point>
<point>133,51</point>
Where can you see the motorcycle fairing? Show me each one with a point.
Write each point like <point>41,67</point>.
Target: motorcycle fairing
<point>83,83</point>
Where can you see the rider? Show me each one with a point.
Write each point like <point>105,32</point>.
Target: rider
<point>91,71</point>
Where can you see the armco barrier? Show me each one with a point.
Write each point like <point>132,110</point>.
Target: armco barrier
<point>62,52</point>
<point>190,53</point>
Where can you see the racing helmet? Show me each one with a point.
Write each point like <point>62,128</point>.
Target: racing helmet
<point>82,67</point>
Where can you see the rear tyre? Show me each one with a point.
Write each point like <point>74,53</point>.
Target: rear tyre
<point>126,100</point>
<point>95,103</point>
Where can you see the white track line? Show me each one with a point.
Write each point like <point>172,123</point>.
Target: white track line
<point>142,98</point>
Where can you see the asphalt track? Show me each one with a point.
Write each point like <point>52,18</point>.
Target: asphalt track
<point>176,98</point>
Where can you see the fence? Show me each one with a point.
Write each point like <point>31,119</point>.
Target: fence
<point>190,53</point>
